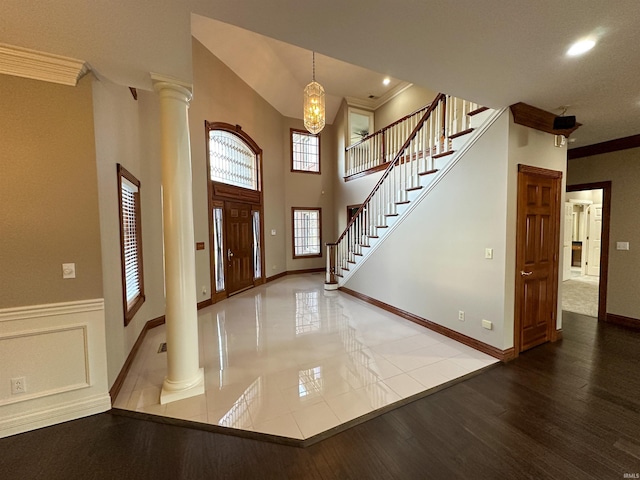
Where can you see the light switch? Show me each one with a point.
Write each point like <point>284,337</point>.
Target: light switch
<point>488,253</point>
<point>273,232</point>
<point>622,245</point>
<point>487,324</point>
<point>68,270</point>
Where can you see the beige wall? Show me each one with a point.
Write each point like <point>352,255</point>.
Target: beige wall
<point>309,190</point>
<point>623,170</point>
<point>407,102</point>
<point>48,193</point>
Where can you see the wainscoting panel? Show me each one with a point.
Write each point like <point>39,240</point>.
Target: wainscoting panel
<point>58,354</point>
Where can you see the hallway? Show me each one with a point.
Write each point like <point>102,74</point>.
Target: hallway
<point>292,360</point>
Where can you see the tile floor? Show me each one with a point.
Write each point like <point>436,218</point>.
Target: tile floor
<point>290,359</point>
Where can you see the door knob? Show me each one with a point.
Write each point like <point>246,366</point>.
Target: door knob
<point>525,274</point>
<point>229,254</point>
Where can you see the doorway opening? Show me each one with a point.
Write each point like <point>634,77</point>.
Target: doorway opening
<point>586,249</point>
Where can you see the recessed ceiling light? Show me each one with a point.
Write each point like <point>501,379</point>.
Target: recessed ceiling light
<point>386,81</point>
<point>581,47</point>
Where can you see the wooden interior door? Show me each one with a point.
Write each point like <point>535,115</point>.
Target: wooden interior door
<point>239,253</point>
<point>537,251</point>
<point>594,239</point>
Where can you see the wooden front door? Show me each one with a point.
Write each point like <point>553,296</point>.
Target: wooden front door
<point>537,252</point>
<point>239,252</point>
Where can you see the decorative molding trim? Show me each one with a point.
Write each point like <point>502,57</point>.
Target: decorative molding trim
<point>27,63</point>
<point>559,334</point>
<point>604,147</point>
<point>375,103</point>
<point>60,389</point>
<point>51,416</point>
<point>160,81</point>
<point>51,309</point>
<point>623,321</point>
<point>502,355</point>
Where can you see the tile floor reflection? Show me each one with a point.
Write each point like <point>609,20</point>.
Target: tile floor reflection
<point>290,359</point>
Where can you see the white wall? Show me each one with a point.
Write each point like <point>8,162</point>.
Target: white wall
<point>433,264</point>
<point>128,132</point>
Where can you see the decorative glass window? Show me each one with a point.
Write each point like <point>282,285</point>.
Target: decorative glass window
<point>305,152</point>
<point>307,234</point>
<point>257,261</point>
<point>218,249</point>
<point>232,161</point>
<point>130,243</point>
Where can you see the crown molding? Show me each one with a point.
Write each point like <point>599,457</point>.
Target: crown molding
<point>23,62</point>
<point>375,103</point>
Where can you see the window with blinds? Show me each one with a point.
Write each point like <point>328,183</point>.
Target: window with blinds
<point>307,236</point>
<point>131,243</point>
<point>305,152</point>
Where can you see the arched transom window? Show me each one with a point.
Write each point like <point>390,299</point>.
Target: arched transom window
<point>232,160</point>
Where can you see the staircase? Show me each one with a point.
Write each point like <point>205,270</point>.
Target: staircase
<point>435,138</point>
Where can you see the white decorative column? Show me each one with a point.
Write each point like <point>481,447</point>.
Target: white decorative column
<point>184,377</point>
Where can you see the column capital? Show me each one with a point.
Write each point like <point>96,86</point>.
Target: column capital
<point>164,82</point>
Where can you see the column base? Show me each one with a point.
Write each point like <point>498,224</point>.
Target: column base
<point>173,391</point>
<point>331,286</point>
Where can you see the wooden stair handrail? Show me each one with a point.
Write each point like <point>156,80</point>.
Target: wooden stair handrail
<point>440,97</point>
<point>384,129</point>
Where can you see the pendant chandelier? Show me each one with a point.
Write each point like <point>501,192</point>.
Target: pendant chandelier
<point>314,104</point>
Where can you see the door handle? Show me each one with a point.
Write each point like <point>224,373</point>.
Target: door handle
<point>525,274</point>
<point>229,254</point>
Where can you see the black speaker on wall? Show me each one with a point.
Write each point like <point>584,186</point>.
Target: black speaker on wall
<point>563,123</point>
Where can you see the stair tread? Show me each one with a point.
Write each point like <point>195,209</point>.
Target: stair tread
<point>413,188</point>
<point>477,111</point>
<point>403,203</point>
<point>460,134</point>
<point>382,226</point>
<point>443,154</point>
<point>373,236</point>
<point>429,172</point>
<point>390,214</point>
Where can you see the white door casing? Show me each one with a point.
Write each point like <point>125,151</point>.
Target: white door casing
<point>594,235</point>
<point>568,235</point>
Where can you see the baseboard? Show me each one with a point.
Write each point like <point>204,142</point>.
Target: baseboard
<point>276,277</point>
<point>117,385</point>
<point>502,355</point>
<point>623,321</point>
<point>295,272</point>
<point>558,334</point>
<point>51,416</point>
<point>204,304</point>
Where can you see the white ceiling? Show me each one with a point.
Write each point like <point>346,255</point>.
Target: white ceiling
<point>495,52</point>
<point>290,69</point>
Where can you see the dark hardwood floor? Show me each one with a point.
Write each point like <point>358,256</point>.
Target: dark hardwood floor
<point>565,410</point>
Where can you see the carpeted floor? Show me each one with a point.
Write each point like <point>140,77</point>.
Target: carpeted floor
<point>580,295</point>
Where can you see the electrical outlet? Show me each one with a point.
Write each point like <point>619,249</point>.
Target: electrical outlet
<point>18,385</point>
<point>461,316</point>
